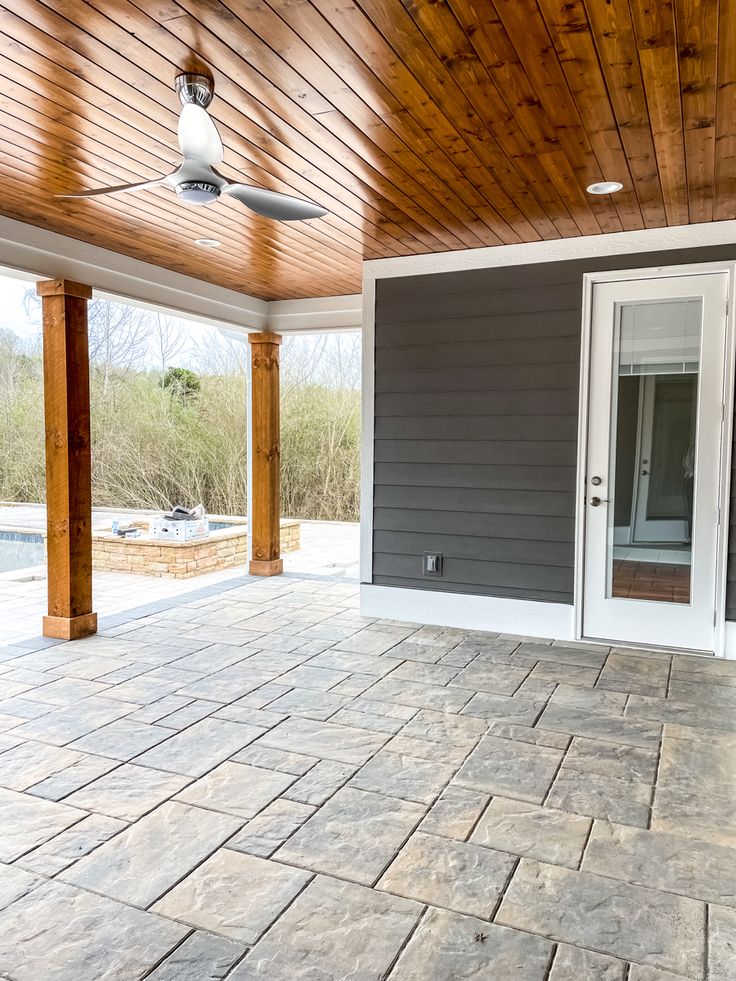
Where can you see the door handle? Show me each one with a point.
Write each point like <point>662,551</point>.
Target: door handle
<point>595,502</point>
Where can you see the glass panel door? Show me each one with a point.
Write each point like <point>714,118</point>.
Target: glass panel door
<point>654,418</point>
<point>654,441</point>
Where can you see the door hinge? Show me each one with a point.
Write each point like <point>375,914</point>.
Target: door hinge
<point>718,517</point>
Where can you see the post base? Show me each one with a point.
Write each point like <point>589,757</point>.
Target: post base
<point>258,567</point>
<point>70,628</point>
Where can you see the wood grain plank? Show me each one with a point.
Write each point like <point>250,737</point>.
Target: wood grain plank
<point>354,76</point>
<point>483,167</point>
<point>725,164</point>
<point>656,41</point>
<point>613,35</point>
<point>401,34</point>
<point>443,32</point>
<point>697,36</point>
<point>423,126</point>
<point>530,79</point>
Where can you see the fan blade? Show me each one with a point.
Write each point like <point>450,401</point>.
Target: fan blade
<point>272,204</point>
<point>114,190</point>
<point>198,136</point>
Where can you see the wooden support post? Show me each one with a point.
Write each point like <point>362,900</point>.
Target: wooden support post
<point>265,438</point>
<point>68,459</point>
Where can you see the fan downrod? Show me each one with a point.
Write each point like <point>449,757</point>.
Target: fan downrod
<point>195,90</point>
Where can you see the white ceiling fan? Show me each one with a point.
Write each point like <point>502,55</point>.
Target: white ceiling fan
<point>195,180</point>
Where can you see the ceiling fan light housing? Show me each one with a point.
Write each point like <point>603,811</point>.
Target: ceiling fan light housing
<point>194,90</point>
<point>198,192</point>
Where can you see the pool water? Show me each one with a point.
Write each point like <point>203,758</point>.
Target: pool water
<point>19,550</point>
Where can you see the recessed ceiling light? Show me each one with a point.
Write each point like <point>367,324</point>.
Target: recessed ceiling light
<point>604,187</point>
<point>208,243</point>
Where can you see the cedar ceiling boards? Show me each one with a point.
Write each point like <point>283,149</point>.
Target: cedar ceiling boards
<point>423,126</point>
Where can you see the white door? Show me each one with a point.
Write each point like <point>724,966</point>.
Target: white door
<point>657,350</point>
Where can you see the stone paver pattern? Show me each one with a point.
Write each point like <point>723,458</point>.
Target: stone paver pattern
<point>260,784</point>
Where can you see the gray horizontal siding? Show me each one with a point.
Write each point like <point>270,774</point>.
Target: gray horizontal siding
<point>517,527</point>
<point>472,500</point>
<point>535,453</point>
<point>518,429</point>
<point>460,475</point>
<point>471,353</point>
<point>555,325</point>
<point>476,381</point>
<point>525,552</point>
<point>524,402</point>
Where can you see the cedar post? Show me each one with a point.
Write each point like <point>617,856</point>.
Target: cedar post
<point>68,459</point>
<point>265,438</point>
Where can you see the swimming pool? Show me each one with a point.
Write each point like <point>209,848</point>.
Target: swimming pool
<point>19,550</point>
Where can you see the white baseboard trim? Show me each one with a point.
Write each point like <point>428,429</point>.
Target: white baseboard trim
<point>530,619</point>
<point>729,645</point>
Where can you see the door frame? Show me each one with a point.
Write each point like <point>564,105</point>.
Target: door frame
<point>657,272</point>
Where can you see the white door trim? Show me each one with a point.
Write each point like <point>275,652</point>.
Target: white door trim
<point>658,272</point>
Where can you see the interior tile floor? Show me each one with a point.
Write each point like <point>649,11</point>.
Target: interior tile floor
<point>658,581</point>
<point>255,782</point>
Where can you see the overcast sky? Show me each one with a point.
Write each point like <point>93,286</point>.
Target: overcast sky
<point>12,315</point>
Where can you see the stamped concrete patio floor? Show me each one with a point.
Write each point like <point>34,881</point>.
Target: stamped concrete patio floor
<point>258,783</point>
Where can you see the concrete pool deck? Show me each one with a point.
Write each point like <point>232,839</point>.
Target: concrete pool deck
<point>328,548</point>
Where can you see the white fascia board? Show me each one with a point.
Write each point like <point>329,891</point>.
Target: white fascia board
<point>558,250</point>
<point>37,253</point>
<point>316,315</point>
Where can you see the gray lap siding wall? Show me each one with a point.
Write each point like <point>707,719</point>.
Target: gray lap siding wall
<point>477,377</point>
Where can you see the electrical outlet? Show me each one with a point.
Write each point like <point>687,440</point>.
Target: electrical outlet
<point>432,564</point>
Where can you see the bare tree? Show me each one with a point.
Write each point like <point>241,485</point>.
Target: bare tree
<point>168,339</point>
<point>219,354</point>
<point>119,334</point>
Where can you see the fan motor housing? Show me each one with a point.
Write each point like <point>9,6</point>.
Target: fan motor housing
<point>198,192</point>
<point>193,89</point>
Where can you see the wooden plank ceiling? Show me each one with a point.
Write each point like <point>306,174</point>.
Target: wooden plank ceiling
<point>423,125</point>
